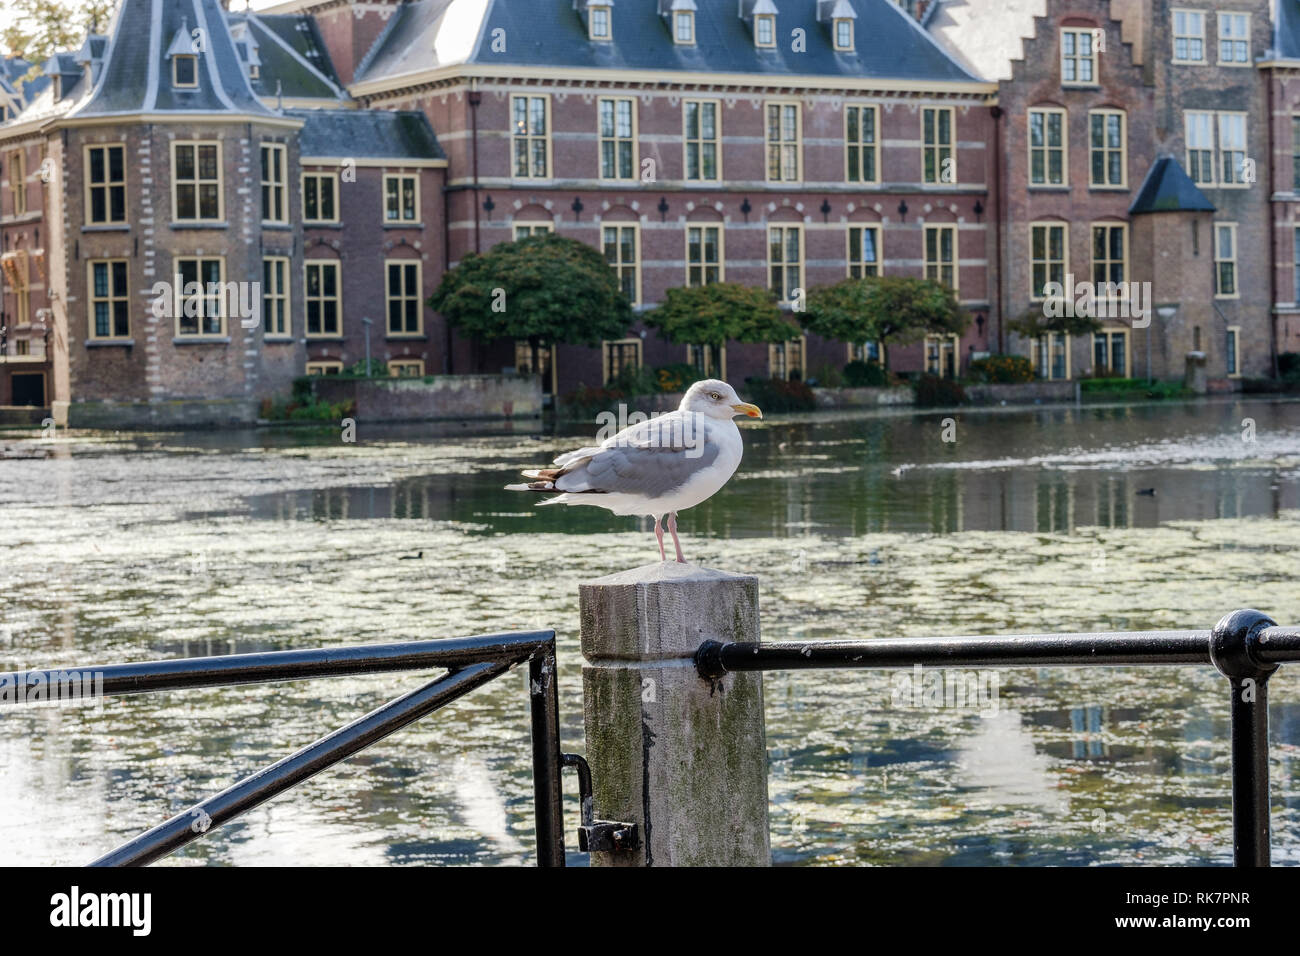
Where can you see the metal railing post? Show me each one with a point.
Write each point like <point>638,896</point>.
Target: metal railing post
<point>548,798</point>
<point>1233,648</point>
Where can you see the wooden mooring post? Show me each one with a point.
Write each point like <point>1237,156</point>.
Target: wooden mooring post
<point>682,757</point>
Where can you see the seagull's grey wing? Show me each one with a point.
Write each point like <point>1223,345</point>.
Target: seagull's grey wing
<point>650,471</point>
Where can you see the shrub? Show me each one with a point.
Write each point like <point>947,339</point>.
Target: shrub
<point>677,377</point>
<point>778,395</point>
<point>859,374</point>
<point>378,369</point>
<point>635,381</point>
<point>1002,370</point>
<point>1133,388</point>
<point>933,390</point>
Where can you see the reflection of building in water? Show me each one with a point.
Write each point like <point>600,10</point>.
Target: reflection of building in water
<point>1000,759</point>
<point>1112,503</point>
<point>1088,721</point>
<point>945,498</point>
<point>1054,497</point>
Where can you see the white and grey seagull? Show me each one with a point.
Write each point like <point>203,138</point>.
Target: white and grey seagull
<point>657,467</point>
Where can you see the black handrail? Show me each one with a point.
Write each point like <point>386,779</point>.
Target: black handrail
<point>471,662</point>
<point>1246,647</point>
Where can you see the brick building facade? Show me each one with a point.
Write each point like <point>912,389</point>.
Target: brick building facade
<point>785,144</point>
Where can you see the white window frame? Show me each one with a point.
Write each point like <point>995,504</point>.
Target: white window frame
<point>784,146</point>
<point>398,220</point>
<point>616,138</point>
<point>703,265</point>
<point>783,294</point>
<point>404,297</point>
<point>1107,150</point>
<point>1230,260</point>
<point>618,264</point>
<point>107,185</point>
<point>1239,43</point>
<point>333,179</point>
<point>1047,262</point>
<point>940,149</point>
<point>700,141</point>
<point>861,145</point>
<point>937,265</point>
<point>321,299</point>
<point>280,205</point>
<point>112,297</point>
<point>198,181</point>
<point>206,297</point>
<point>857,262</point>
<point>528,138</point>
<point>1070,56</point>
<point>275,294</point>
<point>1187,36</point>
<point>1047,149</point>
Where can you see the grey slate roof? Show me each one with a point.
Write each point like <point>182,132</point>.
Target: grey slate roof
<point>291,55</point>
<point>1168,189</point>
<point>136,74</point>
<point>425,34</point>
<point>367,134</point>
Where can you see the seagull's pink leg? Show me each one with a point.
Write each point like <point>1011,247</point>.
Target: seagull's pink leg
<point>659,536</point>
<point>672,527</point>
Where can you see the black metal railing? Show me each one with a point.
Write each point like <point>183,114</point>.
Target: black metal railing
<point>470,661</point>
<point>1246,647</point>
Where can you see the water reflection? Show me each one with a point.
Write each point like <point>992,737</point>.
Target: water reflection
<point>142,547</point>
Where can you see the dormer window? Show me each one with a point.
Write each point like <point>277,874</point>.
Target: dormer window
<point>598,22</point>
<point>765,30</point>
<point>56,87</point>
<point>185,70</point>
<point>254,71</point>
<point>843,34</point>
<point>684,27</point>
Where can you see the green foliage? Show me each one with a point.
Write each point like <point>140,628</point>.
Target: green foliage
<point>677,377</point>
<point>640,380</point>
<point>304,406</point>
<point>1133,389</point>
<point>1002,370</point>
<point>378,369</point>
<point>1288,366</point>
<point>827,376</point>
<point>931,390</point>
<point>859,374</point>
<point>892,309</point>
<point>719,312</point>
<point>545,288</point>
<point>1034,322</point>
<point>36,29</point>
<point>778,395</point>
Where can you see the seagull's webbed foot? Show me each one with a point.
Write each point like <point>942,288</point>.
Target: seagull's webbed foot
<point>672,528</point>
<point>659,536</point>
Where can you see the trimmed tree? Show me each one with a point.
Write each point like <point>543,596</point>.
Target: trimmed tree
<point>719,312</point>
<point>1034,323</point>
<point>893,310</point>
<point>543,289</point>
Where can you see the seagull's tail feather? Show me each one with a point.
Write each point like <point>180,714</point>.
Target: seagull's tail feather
<point>542,474</point>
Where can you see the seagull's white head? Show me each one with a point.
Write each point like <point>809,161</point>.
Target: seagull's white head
<point>717,399</point>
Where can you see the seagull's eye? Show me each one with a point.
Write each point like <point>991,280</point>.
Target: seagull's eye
<point>715,396</point>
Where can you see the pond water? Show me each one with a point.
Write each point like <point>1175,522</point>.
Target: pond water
<point>140,547</point>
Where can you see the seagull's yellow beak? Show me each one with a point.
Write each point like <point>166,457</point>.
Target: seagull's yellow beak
<point>744,408</point>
